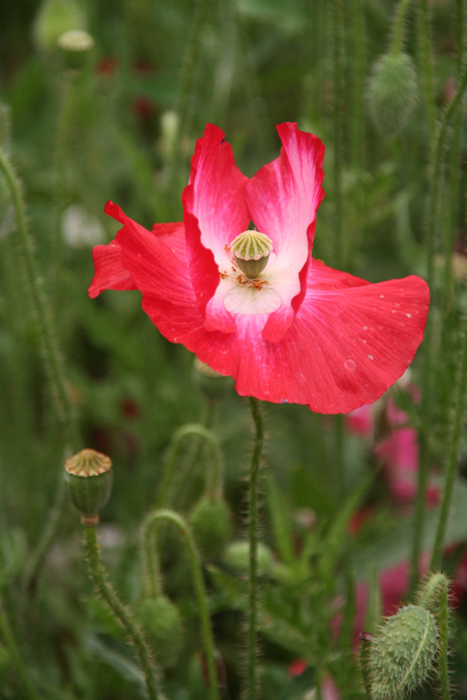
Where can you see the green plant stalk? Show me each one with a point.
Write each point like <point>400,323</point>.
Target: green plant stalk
<point>435,598</point>
<point>53,367</point>
<point>359,40</point>
<point>15,654</point>
<point>397,40</point>
<point>50,350</point>
<point>152,578</point>
<point>99,576</point>
<point>456,155</point>
<point>199,431</point>
<point>453,454</point>
<point>424,34</point>
<point>200,589</point>
<point>338,128</point>
<point>430,335</point>
<point>252,642</point>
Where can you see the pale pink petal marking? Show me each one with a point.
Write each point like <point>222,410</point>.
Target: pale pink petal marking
<point>283,198</point>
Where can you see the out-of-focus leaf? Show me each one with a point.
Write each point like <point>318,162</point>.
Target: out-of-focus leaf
<point>280,522</point>
<point>120,663</point>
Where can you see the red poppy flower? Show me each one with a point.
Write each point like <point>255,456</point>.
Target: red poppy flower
<point>297,332</point>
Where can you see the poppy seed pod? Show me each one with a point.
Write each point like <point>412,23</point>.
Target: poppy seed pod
<point>392,93</point>
<point>53,19</point>
<point>403,653</point>
<point>89,478</point>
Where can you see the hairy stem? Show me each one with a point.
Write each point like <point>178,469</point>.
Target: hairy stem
<point>253,541</point>
<point>99,576</point>
<point>399,26</point>
<point>200,589</point>
<point>10,642</point>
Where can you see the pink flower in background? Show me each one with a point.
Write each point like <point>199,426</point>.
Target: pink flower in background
<point>360,421</point>
<point>298,331</point>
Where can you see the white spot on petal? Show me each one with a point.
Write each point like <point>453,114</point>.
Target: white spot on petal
<point>249,300</point>
<point>350,365</point>
<point>370,357</point>
<point>409,315</point>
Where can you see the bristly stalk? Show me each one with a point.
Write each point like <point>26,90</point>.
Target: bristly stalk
<point>338,126</point>
<point>53,363</point>
<point>430,335</point>
<point>399,25</point>
<point>453,454</point>
<point>252,642</point>
<point>359,50</point>
<point>99,576</point>
<point>426,58</point>
<point>150,524</point>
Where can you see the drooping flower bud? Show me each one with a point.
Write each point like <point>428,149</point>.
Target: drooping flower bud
<point>237,556</point>
<point>402,654</point>
<point>163,624</point>
<point>88,475</point>
<point>251,250</point>
<point>211,523</point>
<point>392,92</point>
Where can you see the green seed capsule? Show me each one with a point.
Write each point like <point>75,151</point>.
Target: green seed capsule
<point>251,250</point>
<point>89,479</point>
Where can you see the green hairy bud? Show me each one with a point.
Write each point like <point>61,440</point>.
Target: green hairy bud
<point>392,92</point>
<point>163,625</point>
<point>402,654</point>
<point>237,556</point>
<point>211,523</point>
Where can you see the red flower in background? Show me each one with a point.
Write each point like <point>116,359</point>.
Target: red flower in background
<point>299,332</point>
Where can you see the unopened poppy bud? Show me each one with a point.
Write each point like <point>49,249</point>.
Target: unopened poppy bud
<point>237,556</point>
<point>251,250</point>
<point>402,654</point>
<point>163,624</point>
<point>211,523</point>
<point>392,92</point>
<point>88,475</point>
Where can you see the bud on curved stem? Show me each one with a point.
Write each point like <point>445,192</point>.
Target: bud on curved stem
<point>149,528</point>
<point>434,597</point>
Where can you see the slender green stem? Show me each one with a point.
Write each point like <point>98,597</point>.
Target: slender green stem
<point>435,598</point>
<point>364,667</point>
<point>189,430</point>
<point>430,331</point>
<point>53,366</point>
<point>252,652</point>
<point>358,73</point>
<point>200,589</point>
<point>51,353</point>
<point>338,128</point>
<point>424,32</point>
<point>151,566</point>
<point>135,635</point>
<point>453,454</point>
<point>399,26</point>
<point>15,655</point>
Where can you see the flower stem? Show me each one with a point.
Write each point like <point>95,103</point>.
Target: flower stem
<point>359,53</point>
<point>200,589</point>
<point>399,26</point>
<point>453,454</point>
<point>424,33</point>
<point>253,540</point>
<point>338,127</point>
<point>99,576</point>
<point>430,331</point>
<point>16,658</point>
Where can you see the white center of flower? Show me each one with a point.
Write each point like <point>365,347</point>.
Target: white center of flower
<point>249,292</point>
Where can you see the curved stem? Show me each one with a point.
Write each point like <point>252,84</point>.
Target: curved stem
<point>191,429</point>
<point>15,655</point>
<point>253,540</point>
<point>99,576</point>
<point>200,589</point>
